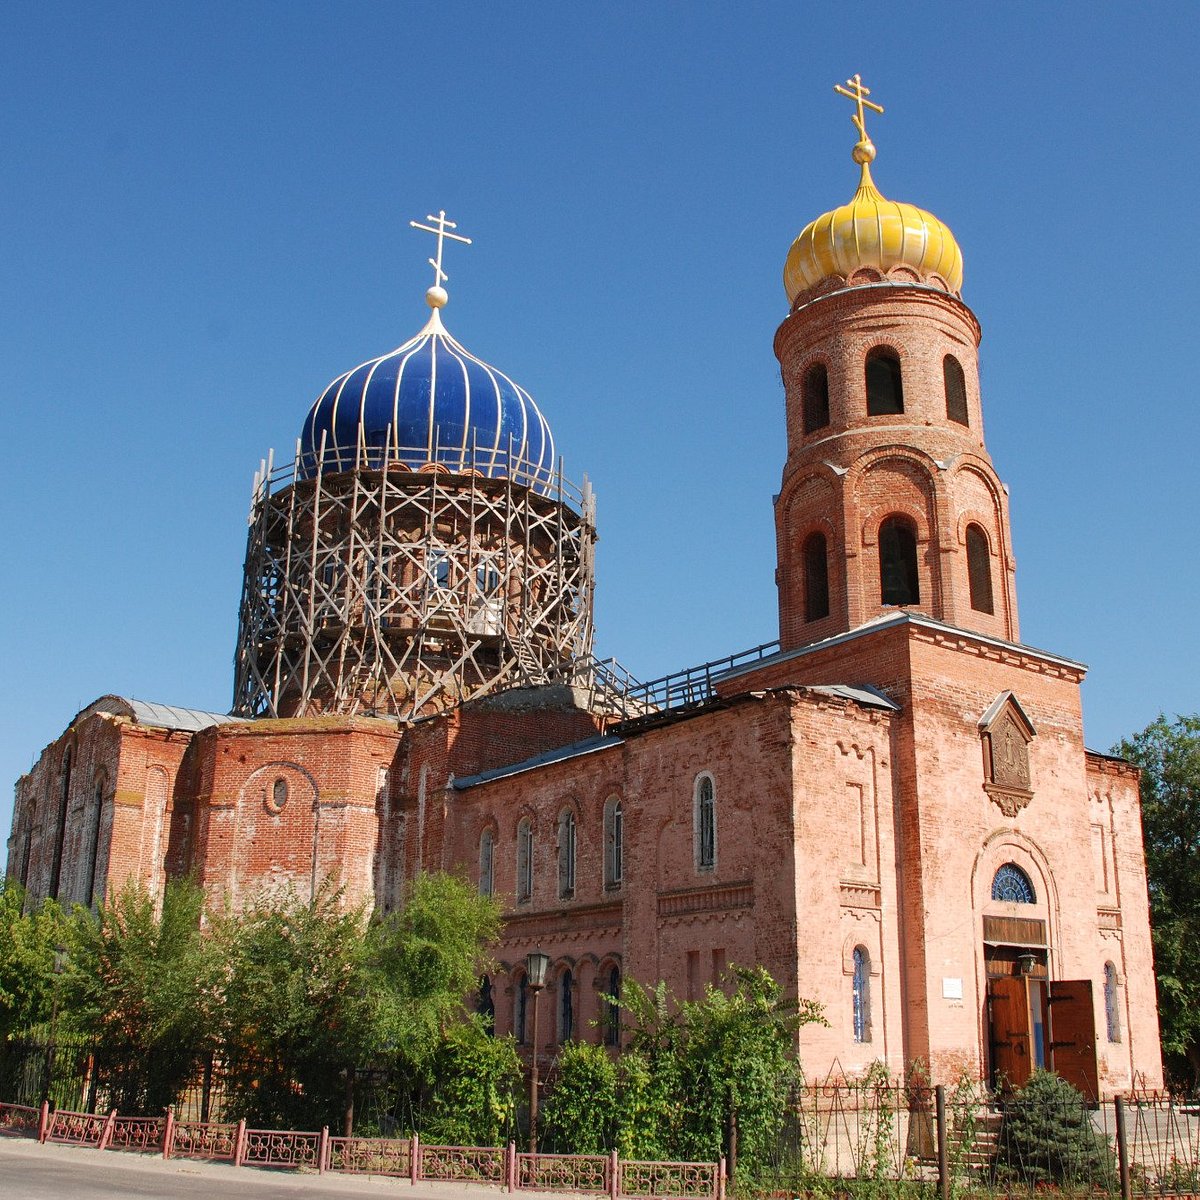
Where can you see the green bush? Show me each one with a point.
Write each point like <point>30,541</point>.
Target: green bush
<point>580,1111</point>
<point>1047,1136</point>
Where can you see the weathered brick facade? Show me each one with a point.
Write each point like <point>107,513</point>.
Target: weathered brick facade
<point>895,813</point>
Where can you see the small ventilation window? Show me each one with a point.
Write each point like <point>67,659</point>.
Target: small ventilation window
<point>899,579</point>
<point>956,390</point>
<point>816,577</point>
<point>816,398</point>
<point>885,388</point>
<point>979,570</point>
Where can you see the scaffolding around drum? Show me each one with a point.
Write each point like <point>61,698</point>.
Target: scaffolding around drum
<point>395,591</point>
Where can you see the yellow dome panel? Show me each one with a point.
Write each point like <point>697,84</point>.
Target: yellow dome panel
<point>872,231</point>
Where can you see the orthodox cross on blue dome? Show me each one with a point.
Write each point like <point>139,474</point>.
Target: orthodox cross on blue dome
<point>437,296</point>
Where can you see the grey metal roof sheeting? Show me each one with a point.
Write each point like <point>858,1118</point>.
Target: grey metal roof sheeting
<point>590,745</point>
<point>160,716</point>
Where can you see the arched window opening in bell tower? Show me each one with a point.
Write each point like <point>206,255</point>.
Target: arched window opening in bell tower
<point>816,398</point>
<point>885,389</point>
<point>956,390</point>
<point>816,577</point>
<point>899,580</point>
<point>979,570</point>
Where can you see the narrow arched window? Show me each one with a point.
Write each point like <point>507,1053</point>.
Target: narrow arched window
<point>487,862</point>
<point>1011,884</point>
<point>612,1009</point>
<point>566,854</point>
<point>705,824</point>
<point>60,830</point>
<point>816,577</point>
<point>614,843</point>
<point>520,1008</point>
<point>979,570</point>
<point>1112,1003</point>
<point>956,390</point>
<point>94,842</point>
<point>524,861</point>
<point>816,398</point>
<point>899,580</point>
<point>862,994</point>
<point>566,1007</point>
<point>885,388</point>
<point>487,1005</point>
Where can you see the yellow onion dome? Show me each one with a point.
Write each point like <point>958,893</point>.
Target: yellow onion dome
<point>872,231</point>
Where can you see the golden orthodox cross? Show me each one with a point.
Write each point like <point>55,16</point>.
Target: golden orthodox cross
<point>442,229</point>
<point>855,91</point>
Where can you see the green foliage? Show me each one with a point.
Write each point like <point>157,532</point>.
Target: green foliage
<point>581,1110</point>
<point>1047,1136</point>
<point>425,959</point>
<point>28,941</point>
<point>689,1072</point>
<point>1169,754</point>
<point>141,983</point>
<point>475,1082</point>
<point>312,992</point>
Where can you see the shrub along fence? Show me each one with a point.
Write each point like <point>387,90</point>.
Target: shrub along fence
<point>406,1158</point>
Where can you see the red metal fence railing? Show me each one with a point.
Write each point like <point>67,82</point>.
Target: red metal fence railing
<point>398,1157</point>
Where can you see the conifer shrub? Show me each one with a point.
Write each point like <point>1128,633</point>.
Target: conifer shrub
<point>1048,1137</point>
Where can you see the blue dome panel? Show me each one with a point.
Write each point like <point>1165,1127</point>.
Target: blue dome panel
<point>430,400</point>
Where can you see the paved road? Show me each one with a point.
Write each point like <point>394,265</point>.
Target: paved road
<point>29,1171</point>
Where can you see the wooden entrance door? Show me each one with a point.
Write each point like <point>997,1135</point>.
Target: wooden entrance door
<point>1073,1034</point>
<point>1011,1037</point>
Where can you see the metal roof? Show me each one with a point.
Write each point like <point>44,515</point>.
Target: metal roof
<point>159,716</point>
<point>590,745</point>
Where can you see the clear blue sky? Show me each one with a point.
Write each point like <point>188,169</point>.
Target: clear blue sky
<point>204,218</point>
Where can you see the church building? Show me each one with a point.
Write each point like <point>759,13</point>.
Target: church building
<point>890,808</point>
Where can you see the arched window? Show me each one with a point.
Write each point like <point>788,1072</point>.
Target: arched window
<point>899,580</point>
<point>566,1007</point>
<point>94,842</point>
<point>612,1009</point>
<point>862,994</point>
<point>487,1005</point>
<point>60,831</point>
<point>705,823</point>
<point>979,569</point>
<point>524,861</point>
<point>816,398</point>
<point>1112,1003</point>
<point>885,388</point>
<point>816,577</point>
<point>520,1007</point>
<point>614,843</point>
<point>566,854</point>
<point>956,390</point>
<point>487,862</point>
<point>1013,885</point>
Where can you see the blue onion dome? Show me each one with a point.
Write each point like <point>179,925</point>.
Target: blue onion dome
<point>429,405</point>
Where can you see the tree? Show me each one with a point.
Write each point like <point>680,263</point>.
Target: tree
<point>28,942</point>
<point>1168,753</point>
<point>142,984</point>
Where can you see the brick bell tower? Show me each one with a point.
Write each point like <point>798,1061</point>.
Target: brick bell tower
<point>889,498</point>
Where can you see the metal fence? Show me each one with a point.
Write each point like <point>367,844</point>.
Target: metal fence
<point>399,1157</point>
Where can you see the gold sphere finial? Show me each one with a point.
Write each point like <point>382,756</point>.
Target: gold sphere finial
<point>864,152</point>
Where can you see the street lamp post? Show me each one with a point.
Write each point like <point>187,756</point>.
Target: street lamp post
<point>536,966</point>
